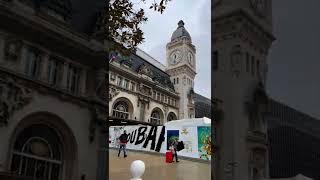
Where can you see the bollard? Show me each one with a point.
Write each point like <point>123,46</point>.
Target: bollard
<point>137,169</point>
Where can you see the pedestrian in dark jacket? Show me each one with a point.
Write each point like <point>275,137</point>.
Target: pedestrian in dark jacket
<point>123,143</point>
<point>174,146</point>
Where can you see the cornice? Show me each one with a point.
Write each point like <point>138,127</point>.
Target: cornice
<point>137,94</point>
<point>237,27</point>
<point>63,39</point>
<point>181,69</point>
<point>244,14</point>
<point>40,19</point>
<point>129,74</point>
<point>43,88</point>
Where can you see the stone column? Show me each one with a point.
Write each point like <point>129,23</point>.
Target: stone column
<point>2,44</point>
<point>142,111</point>
<point>64,78</point>
<point>44,67</point>
<point>103,157</point>
<point>83,82</point>
<point>23,59</point>
<point>100,86</point>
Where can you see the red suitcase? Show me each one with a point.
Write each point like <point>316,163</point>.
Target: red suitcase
<point>169,157</point>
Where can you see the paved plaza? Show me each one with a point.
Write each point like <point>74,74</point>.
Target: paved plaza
<point>156,168</point>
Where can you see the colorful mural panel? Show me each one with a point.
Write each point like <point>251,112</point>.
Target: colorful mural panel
<point>172,135</point>
<point>204,142</point>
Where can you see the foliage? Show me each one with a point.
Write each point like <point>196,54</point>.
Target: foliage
<point>123,22</point>
<point>173,138</point>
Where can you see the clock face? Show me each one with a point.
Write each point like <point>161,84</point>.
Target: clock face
<point>260,6</point>
<point>175,57</point>
<point>190,58</point>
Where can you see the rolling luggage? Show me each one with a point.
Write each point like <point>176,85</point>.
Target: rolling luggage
<point>169,157</point>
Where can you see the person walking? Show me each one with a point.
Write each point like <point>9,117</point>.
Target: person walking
<point>123,142</point>
<point>174,147</point>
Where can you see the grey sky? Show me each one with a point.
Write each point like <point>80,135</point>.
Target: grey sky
<point>197,18</point>
<point>294,58</point>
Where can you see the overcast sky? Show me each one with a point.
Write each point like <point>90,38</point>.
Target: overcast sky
<point>197,18</point>
<point>294,59</point>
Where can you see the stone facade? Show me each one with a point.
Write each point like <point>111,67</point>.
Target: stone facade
<point>141,90</point>
<point>51,108</point>
<point>242,38</point>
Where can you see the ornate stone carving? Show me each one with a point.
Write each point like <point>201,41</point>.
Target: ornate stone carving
<point>145,90</point>
<point>166,110</point>
<point>113,92</point>
<point>144,69</point>
<point>12,98</point>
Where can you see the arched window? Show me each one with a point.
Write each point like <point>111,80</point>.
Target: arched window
<point>174,80</point>
<point>156,117</point>
<point>177,80</point>
<point>121,110</point>
<point>37,154</point>
<point>171,117</point>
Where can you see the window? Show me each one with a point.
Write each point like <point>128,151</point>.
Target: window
<point>165,99</point>
<point>215,60</point>
<point>158,96</point>
<point>73,79</point>
<point>121,110</point>
<point>172,116</point>
<point>252,65</point>
<point>162,98</point>
<point>177,80</point>
<point>32,64</point>
<point>126,83</point>
<point>54,71</point>
<point>247,62</point>
<point>133,86</point>
<point>37,154</point>
<point>169,100</point>
<point>154,94</point>
<point>119,82</point>
<point>155,117</point>
<point>174,80</point>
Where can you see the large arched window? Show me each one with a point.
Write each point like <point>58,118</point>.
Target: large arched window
<point>171,117</point>
<point>37,153</point>
<point>156,116</point>
<point>121,110</point>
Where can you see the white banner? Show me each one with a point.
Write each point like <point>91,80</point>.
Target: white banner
<point>145,138</point>
<point>196,139</point>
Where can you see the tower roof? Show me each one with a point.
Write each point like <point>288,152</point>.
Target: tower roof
<point>180,32</point>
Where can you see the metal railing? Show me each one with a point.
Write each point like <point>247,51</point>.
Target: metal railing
<point>120,114</point>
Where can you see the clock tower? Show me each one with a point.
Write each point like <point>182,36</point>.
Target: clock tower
<point>241,41</point>
<point>181,66</point>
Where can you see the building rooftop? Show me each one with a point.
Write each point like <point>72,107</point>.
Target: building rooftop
<point>289,116</point>
<point>150,59</point>
<point>180,32</point>
<point>202,106</point>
